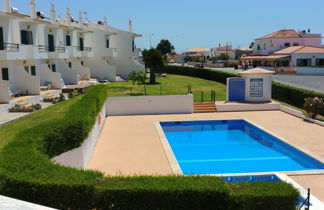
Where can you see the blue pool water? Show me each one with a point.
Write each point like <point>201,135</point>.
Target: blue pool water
<point>232,146</point>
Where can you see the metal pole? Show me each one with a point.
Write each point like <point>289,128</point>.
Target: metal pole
<point>202,96</point>
<point>308,194</point>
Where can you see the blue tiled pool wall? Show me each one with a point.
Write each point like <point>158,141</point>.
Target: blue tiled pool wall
<point>251,179</point>
<point>254,132</point>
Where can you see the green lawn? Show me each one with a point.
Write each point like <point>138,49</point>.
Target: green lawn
<point>57,111</point>
<point>171,85</point>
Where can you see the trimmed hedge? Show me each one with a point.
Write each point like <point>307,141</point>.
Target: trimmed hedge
<point>203,73</point>
<point>27,173</point>
<point>285,93</point>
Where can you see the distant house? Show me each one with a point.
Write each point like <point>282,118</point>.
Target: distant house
<point>296,59</point>
<point>281,39</point>
<point>227,50</point>
<point>198,52</point>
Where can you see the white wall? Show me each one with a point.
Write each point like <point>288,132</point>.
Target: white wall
<point>83,71</point>
<point>276,44</point>
<point>4,91</point>
<point>21,80</point>
<point>310,70</point>
<point>138,105</point>
<point>80,157</point>
<point>47,75</point>
<point>123,61</point>
<point>69,75</point>
<point>267,87</point>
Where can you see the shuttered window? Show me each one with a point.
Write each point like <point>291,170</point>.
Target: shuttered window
<point>5,74</point>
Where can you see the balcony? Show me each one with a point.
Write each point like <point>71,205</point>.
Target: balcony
<point>58,52</point>
<point>111,52</point>
<point>82,51</point>
<point>11,51</point>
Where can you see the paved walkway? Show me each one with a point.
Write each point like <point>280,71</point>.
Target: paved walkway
<point>130,144</point>
<point>7,117</point>
<point>314,182</point>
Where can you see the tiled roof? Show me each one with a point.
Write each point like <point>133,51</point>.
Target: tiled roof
<point>257,71</point>
<point>287,33</point>
<point>198,50</point>
<point>301,50</point>
<point>224,51</point>
<point>288,50</point>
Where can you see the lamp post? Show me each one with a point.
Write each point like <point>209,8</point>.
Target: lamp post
<point>151,40</point>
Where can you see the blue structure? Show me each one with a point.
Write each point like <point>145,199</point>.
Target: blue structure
<point>236,89</point>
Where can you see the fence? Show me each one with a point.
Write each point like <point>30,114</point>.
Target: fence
<point>199,95</point>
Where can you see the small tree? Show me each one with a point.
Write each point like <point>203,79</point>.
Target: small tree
<point>313,106</point>
<point>153,60</point>
<point>223,57</point>
<point>165,47</point>
<point>137,76</point>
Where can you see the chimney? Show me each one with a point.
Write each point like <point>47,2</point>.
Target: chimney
<point>68,17</point>
<point>32,9</point>
<point>53,15</point>
<point>130,27</point>
<point>80,18</point>
<point>6,5</point>
<point>105,21</point>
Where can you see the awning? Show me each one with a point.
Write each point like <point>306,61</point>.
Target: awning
<point>265,57</point>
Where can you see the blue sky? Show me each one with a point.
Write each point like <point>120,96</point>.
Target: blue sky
<point>203,23</point>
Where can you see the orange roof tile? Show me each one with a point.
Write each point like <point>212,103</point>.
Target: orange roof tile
<point>288,50</point>
<point>287,33</point>
<point>300,50</point>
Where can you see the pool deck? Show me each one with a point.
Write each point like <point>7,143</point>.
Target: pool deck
<point>314,182</point>
<point>130,145</point>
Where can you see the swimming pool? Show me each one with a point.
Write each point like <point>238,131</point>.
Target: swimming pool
<point>232,146</point>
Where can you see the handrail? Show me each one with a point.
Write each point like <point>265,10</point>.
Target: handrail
<point>83,49</point>
<point>9,47</point>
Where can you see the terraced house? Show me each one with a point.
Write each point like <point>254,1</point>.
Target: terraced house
<point>40,54</point>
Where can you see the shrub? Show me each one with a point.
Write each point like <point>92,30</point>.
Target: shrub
<point>313,106</point>
<point>263,196</point>
<point>36,107</point>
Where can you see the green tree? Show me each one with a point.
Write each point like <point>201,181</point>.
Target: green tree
<point>223,57</point>
<point>153,60</point>
<point>165,47</point>
<point>137,76</point>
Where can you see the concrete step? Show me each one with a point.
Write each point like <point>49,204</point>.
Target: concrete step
<point>204,107</point>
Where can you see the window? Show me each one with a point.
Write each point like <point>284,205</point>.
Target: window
<point>26,37</point>
<point>68,40</point>
<point>295,44</point>
<point>304,62</point>
<point>82,63</point>
<point>133,45</point>
<point>27,69</point>
<point>81,46</point>
<point>287,44</point>
<point>70,65</point>
<point>107,43</point>
<point>265,46</point>
<point>33,70</point>
<point>320,62</point>
<point>1,39</point>
<point>53,68</point>
<point>5,74</point>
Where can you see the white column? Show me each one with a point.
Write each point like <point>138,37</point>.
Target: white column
<point>6,5</point>
<point>33,9</point>
<point>80,19</point>
<point>53,15</point>
<point>130,27</point>
<point>105,21</point>
<point>68,16</point>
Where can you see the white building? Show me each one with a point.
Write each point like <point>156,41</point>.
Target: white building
<point>284,38</point>
<point>39,53</point>
<point>296,59</point>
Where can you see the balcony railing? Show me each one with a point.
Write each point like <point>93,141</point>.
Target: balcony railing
<point>44,48</point>
<point>82,49</point>
<point>12,47</point>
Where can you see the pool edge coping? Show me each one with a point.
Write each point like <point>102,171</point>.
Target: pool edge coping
<point>173,163</point>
